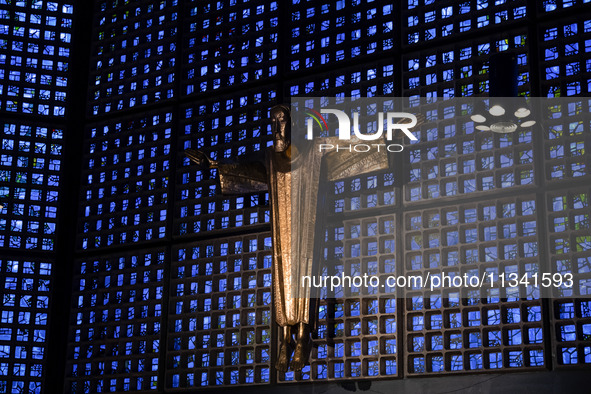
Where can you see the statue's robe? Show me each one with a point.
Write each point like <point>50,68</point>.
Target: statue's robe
<point>294,187</point>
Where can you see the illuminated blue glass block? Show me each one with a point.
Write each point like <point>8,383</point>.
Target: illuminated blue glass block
<point>569,355</point>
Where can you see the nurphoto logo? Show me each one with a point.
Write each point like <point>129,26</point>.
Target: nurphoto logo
<point>395,121</point>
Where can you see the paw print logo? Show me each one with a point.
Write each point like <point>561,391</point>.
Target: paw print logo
<point>501,120</point>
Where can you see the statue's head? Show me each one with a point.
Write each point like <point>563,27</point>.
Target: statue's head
<point>281,126</point>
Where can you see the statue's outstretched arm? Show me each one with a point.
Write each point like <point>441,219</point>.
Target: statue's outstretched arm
<point>235,178</point>
<point>348,163</point>
<point>345,164</point>
<point>200,158</point>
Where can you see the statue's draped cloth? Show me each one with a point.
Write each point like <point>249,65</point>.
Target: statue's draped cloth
<point>294,188</point>
<point>294,196</point>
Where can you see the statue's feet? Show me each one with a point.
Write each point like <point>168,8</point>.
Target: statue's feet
<point>301,354</point>
<point>284,355</point>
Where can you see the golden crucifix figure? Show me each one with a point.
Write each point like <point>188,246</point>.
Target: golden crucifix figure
<point>294,181</point>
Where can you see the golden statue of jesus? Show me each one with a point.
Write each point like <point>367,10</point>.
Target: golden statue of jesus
<point>293,180</point>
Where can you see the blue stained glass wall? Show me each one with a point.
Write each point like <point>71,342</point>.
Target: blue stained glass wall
<point>228,44</point>
<point>126,181</point>
<point>24,326</point>
<point>133,54</point>
<point>171,75</point>
<point>35,56</point>
<point>116,342</point>
<point>164,300</point>
<point>35,38</point>
<point>30,171</point>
